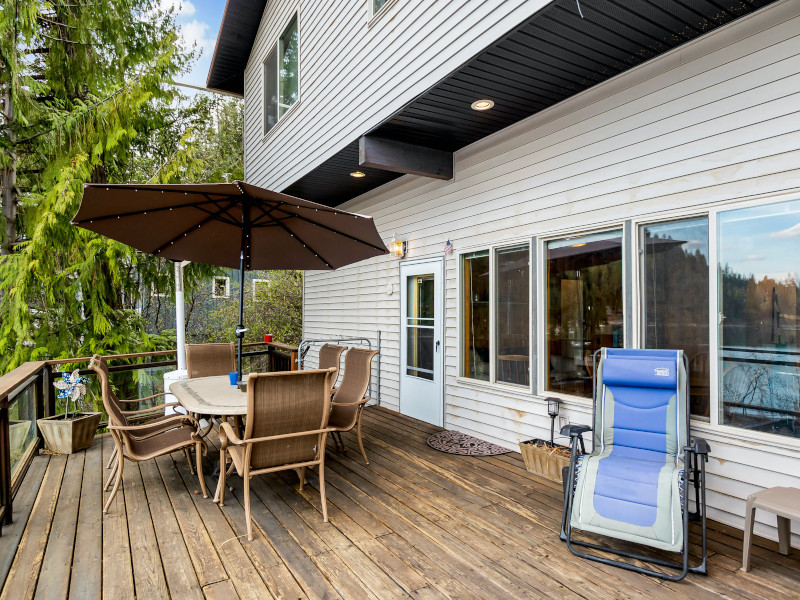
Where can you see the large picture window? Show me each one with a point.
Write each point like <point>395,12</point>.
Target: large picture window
<point>282,75</point>
<point>584,307</point>
<point>675,297</point>
<point>475,306</point>
<point>759,289</point>
<point>512,316</point>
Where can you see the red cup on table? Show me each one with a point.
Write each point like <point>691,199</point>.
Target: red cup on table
<point>267,337</point>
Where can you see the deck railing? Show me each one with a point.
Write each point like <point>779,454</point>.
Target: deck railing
<point>27,394</point>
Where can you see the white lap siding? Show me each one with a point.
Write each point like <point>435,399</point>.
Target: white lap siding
<point>712,123</point>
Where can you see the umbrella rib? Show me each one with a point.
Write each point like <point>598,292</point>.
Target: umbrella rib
<point>190,230</point>
<point>331,229</point>
<point>294,235</point>
<point>143,211</point>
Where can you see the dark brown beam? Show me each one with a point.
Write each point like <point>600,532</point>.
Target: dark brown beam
<point>400,157</point>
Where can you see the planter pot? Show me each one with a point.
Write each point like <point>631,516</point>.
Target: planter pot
<point>66,436</point>
<point>545,460</point>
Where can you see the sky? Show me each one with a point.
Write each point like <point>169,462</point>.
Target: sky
<point>199,21</point>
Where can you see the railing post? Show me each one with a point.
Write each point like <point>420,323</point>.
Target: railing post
<point>49,397</point>
<point>5,465</point>
<point>293,364</point>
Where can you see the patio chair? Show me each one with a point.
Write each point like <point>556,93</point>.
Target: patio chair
<point>152,416</point>
<point>632,487</point>
<point>143,442</point>
<point>349,400</point>
<point>207,360</point>
<point>329,358</point>
<point>286,428</point>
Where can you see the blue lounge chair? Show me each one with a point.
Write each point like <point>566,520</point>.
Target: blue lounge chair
<point>633,485</point>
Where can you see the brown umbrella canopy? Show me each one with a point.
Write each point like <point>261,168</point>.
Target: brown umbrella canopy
<point>212,223</point>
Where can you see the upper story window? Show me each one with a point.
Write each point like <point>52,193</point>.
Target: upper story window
<point>221,287</point>
<point>282,75</point>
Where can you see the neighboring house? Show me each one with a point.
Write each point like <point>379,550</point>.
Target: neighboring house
<point>634,181</point>
<point>159,308</point>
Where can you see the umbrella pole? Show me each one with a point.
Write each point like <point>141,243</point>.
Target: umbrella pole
<point>240,327</point>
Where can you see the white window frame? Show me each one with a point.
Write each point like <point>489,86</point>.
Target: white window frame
<point>255,281</point>
<point>541,302</point>
<point>275,45</point>
<point>492,249</point>
<point>154,293</point>
<point>376,14</point>
<point>227,287</point>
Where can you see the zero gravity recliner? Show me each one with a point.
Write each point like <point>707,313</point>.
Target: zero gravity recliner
<point>633,486</point>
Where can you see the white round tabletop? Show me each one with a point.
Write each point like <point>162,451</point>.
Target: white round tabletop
<point>210,396</point>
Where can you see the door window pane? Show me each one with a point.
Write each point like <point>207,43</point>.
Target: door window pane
<point>288,84</point>
<point>758,288</point>
<point>675,301</point>
<point>270,90</point>
<point>584,307</point>
<point>513,314</point>
<point>475,307</point>
<point>419,326</point>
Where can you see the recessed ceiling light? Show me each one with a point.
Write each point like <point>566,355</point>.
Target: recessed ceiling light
<point>482,104</point>
<point>358,174</point>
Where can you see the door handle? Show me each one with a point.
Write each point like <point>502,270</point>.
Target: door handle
<point>437,345</point>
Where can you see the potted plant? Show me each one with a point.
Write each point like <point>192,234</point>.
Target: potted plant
<point>545,458</point>
<point>73,430</point>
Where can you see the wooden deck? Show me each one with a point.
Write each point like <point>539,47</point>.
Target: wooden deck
<point>414,523</point>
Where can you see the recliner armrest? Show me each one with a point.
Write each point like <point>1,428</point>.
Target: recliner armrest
<point>700,446</point>
<point>573,430</point>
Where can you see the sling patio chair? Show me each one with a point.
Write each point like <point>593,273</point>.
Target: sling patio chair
<point>286,428</point>
<point>143,442</point>
<point>207,360</point>
<point>349,400</point>
<point>152,416</point>
<point>329,358</point>
<point>632,486</point>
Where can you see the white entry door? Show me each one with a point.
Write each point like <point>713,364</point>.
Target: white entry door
<point>422,341</point>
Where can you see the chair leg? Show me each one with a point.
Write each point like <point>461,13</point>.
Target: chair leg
<point>302,473</point>
<point>188,455</point>
<point>360,442</point>
<point>322,489</point>
<point>118,471</point>
<point>113,458</point>
<point>198,451</point>
<point>247,505</point>
<point>112,475</point>
<point>219,496</point>
<point>750,513</point>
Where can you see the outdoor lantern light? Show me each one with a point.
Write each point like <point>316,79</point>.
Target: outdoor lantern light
<point>397,248</point>
<point>482,104</point>
<point>553,405</point>
<point>357,174</point>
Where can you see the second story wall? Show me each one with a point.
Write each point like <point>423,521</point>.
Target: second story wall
<point>356,70</point>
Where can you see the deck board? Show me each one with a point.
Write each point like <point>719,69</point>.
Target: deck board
<point>414,523</point>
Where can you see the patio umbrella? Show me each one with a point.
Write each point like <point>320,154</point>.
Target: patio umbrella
<point>229,225</point>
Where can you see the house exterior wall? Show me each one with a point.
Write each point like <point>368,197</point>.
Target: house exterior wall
<point>356,71</point>
<point>715,123</point>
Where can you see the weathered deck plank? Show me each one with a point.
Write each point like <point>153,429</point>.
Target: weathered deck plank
<point>415,523</point>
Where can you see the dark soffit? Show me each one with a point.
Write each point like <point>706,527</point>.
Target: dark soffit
<point>553,55</point>
<point>237,32</point>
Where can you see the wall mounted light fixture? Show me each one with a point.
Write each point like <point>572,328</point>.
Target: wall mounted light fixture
<point>397,248</point>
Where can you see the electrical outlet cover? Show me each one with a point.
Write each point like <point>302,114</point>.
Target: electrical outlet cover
<point>562,422</point>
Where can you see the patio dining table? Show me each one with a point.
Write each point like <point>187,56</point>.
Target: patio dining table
<point>209,397</point>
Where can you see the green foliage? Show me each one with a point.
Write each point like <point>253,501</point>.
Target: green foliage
<point>276,309</point>
<point>86,82</point>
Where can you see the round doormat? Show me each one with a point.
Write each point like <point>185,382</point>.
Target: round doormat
<point>454,442</point>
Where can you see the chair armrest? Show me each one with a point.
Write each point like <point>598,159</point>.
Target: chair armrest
<point>177,420</point>
<point>227,435</point>
<point>572,430</point>
<point>699,446</point>
<point>282,436</point>
<point>362,401</point>
<point>133,413</point>
<point>145,398</point>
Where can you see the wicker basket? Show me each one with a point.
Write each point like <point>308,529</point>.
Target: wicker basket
<point>541,459</point>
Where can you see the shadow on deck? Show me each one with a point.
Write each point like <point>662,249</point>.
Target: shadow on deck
<point>414,523</point>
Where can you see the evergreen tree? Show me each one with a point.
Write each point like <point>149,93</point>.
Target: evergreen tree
<point>84,95</point>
